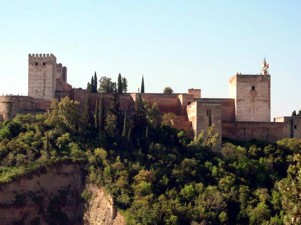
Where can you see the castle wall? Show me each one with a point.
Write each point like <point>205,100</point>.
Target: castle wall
<point>227,107</point>
<point>166,102</point>
<point>10,106</point>
<point>266,131</point>
<point>192,116</point>
<point>204,113</point>
<point>41,105</point>
<point>228,110</point>
<point>252,97</point>
<point>185,99</point>
<point>84,97</point>
<point>296,126</point>
<point>196,93</point>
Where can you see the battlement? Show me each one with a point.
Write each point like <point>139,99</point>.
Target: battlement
<point>32,58</point>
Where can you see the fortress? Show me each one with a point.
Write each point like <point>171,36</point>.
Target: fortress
<point>245,115</point>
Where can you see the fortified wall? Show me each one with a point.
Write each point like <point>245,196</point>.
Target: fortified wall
<point>12,105</point>
<point>243,116</point>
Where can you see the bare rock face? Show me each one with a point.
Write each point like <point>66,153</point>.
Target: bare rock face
<point>100,209</point>
<point>48,196</point>
<point>53,196</point>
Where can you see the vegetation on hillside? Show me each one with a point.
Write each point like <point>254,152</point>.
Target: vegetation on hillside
<point>155,173</point>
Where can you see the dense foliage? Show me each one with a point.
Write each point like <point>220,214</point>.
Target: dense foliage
<point>155,173</point>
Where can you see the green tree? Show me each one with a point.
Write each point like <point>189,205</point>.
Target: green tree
<point>115,110</point>
<point>142,85</point>
<point>106,85</point>
<point>88,88</point>
<point>124,85</point>
<point>102,114</point>
<point>95,83</point>
<point>119,84</point>
<point>167,90</point>
<point>294,113</point>
<point>290,189</point>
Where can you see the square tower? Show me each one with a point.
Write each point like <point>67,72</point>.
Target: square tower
<point>252,97</point>
<point>42,76</point>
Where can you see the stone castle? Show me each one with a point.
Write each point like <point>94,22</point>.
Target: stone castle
<point>245,115</point>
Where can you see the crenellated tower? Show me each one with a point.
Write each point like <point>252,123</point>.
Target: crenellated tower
<point>45,76</point>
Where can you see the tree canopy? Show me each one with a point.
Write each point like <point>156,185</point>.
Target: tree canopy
<point>167,90</point>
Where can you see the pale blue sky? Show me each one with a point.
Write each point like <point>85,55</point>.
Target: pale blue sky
<point>181,44</point>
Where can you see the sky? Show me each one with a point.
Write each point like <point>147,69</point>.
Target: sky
<point>180,44</point>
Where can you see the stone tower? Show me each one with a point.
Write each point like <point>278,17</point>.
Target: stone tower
<point>45,76</point>
<point>252,96</point>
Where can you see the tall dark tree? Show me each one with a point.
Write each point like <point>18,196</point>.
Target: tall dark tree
<point>96,116</point>
<point>119,84</point>
<point>139,122</point>
<point>142,85</point>
<point>102,114</point>
<point>124,130</point>
<point>124,85</point>
<point>115,109</point>
<point>92,84</point>
<point>95,83</point>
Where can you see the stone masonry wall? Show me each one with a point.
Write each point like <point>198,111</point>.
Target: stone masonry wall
<point>203,114</point>
<point>41,76</point>
<point>266,131</point>
<point>252,97</point>
<point>10,106</point>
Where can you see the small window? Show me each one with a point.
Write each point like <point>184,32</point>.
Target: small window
<point>188,103</point>
<point>44,63</point>
<point>295,127</point>
<point>208,112</point>
<point>253,88</point>
<point>36,63</point>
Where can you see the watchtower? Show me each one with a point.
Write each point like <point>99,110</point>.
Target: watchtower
<point>252,96</point>
<point>45,76</point>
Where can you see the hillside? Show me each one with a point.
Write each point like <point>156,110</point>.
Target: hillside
<point>154,173</point>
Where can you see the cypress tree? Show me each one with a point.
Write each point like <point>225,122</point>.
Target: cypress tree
<point>115,109</point>
<point>119,84</point>
<point>96,116</point>
<point>102,116</point>
<point>124,126</point>
<point>142,85</point>
<point>95,83</point>
<point>92,84</point>
<point>124,85</point>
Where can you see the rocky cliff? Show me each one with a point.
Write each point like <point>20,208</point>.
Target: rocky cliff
<point>53,196</point>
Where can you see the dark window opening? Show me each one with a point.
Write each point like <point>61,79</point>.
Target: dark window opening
<point>209,117</point>
<point>208,112</point>
<point>36,63</point>
<point>295,127</point>
<point>44,64</point>
<point>253,88</point>
<point>188,103</point>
